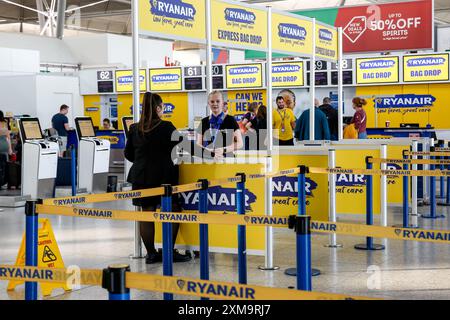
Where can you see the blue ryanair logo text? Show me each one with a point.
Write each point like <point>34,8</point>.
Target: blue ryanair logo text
<point>288,186</point>
<point>243,70</point>
<point>175,9</point>
<point>168,77</point>
<point>286,68</point>
<point>405,101</point>
<point>350,180</point>
<point>291,31</point>
<point>376,64</point>
<point>239,16</point>
<point>168,108</point>
<point>325,34</point>
<point>128,79</point>
<point>428,61</point>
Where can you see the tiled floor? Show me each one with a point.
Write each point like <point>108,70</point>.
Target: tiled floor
<point>405,270</point>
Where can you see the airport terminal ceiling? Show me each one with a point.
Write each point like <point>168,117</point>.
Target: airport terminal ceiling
<point>113,16</point>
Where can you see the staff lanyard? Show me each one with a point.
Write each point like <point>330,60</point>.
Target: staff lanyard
<point>283,128</point>
<point>215,131</point>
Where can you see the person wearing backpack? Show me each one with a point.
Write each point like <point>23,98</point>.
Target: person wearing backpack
<point>360,118</point>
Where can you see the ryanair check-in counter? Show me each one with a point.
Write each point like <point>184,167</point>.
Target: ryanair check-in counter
<point>39,160</point>
<point>93,157</point>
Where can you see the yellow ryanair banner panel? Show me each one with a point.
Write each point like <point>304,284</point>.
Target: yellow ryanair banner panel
<point>173,19</point>
<point>326,42</point>
<point>287,74</point>
<point>377,70</point>
<point>428,68</point>
<point>176,108</point>
<point>244,76</point>
<point>291,35</point>
<point>239,100</point>
<point>238,26</point>
<point>124,80</point>
<point>165,79</point>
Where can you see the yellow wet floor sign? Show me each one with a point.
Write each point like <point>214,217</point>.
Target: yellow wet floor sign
<point>49,256</point>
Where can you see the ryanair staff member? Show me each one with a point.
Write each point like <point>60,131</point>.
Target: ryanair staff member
<point>149,147</point>
<point>218,134</point>
<point>283,124</point>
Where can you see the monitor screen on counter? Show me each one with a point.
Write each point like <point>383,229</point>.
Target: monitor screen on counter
<point>31,129</point>
<point>85,127</point>
<point>127,122</point>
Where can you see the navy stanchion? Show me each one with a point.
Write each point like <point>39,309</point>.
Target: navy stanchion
<point>166,206</point>
<point>204,243</point>
<point>301,192</point>
<point>405,195</point>
<point>242,245</point>
<point>441,179</point>
<point>31,245</point>
<point>369,245</point>
<point>73,170</point>
<point>113,280</point>
<point>432,214</point>
<point>304,270</point>
<point>446,202</point>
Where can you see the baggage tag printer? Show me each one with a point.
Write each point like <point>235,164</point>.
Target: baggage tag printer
<point>93,157</point>
<point>40,160</point>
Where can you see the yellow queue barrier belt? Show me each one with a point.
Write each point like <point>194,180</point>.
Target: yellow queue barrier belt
<point>55,275</point>
<point>229,219</point>
<point>425,153</point>
<point>439,236</point>
<point>418,173</point>
<point>441,149</point>
<point>408,161</point>
<point>159,191</point>
<point>224,290</point>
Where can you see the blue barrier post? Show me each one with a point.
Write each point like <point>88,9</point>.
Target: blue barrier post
<point>166,206</point>
<point>369,245</point>
<point>446,202</point>
<point>204,245</point>
<point>405,194</point>
<point>432,214</point>
<point>301,193</point>
<point>31,245</point>
<point>441,180</point>
<point>73,171</point>
<point>304,270</point>
<point>113,280</point>
<point>242,246</point>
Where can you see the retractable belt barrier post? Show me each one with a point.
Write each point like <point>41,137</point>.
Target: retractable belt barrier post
<point>31,245</point>
<point>73,171</point>
<point>242,246</point>
<point>369,245</point>
<point>441,167</point>
<point>432,214</point>
<point>113,280</point>
<point>302,227</point>
<point>204,245</point>
<point>405,194</point>
<point>446,202</point>
<point>166,206</point>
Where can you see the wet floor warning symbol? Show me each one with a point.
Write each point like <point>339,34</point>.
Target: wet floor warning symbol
<point>48,255</point>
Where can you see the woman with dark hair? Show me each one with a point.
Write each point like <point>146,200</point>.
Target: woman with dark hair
<point>360,117</point>
<point>259,126</point>
<point>149,147</point>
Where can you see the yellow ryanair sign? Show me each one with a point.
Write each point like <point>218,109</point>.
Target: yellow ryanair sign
<point>430,67</point>
<point>244,76</point>
<point>326,42</point>
<point>291,34</point>
<point>238,26</point>
<point>165,79</point>
<point>124,80</point>
<point>377,70</point>
<point>288,74</point>
<point>173,19</point>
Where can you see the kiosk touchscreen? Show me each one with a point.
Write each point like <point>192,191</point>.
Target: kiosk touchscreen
<point>40,160</point>
<point>93,157</point>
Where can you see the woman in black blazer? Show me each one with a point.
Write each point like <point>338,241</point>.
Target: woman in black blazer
<point>149,147</point>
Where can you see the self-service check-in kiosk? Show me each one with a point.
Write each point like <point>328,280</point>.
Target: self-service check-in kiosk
<point>93,157</point>
<point>127,122</point>
<point>40,160</point>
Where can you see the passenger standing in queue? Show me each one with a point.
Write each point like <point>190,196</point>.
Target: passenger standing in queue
<point>149,147</point>
<point>332,117</point>
<point>219,134</point>
<point>5,148</point>
<point>249,136</point>
<point>283,124</point>
<point>360,117</point>
<point>259,125</point>
<point>60,123</point>
<point>321,130</point>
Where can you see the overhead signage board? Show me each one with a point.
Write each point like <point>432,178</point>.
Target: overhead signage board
<point>326,42</point>
<point>244,76</point>
<point>377,70</point>
<point>288,74</point>
<point>427,68</point>
<point>382,26</point>
<point>173,19</point>
<point>238,26</point>
<point>292,35</point>
<point>165,79</point>
<point>124,80</point>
